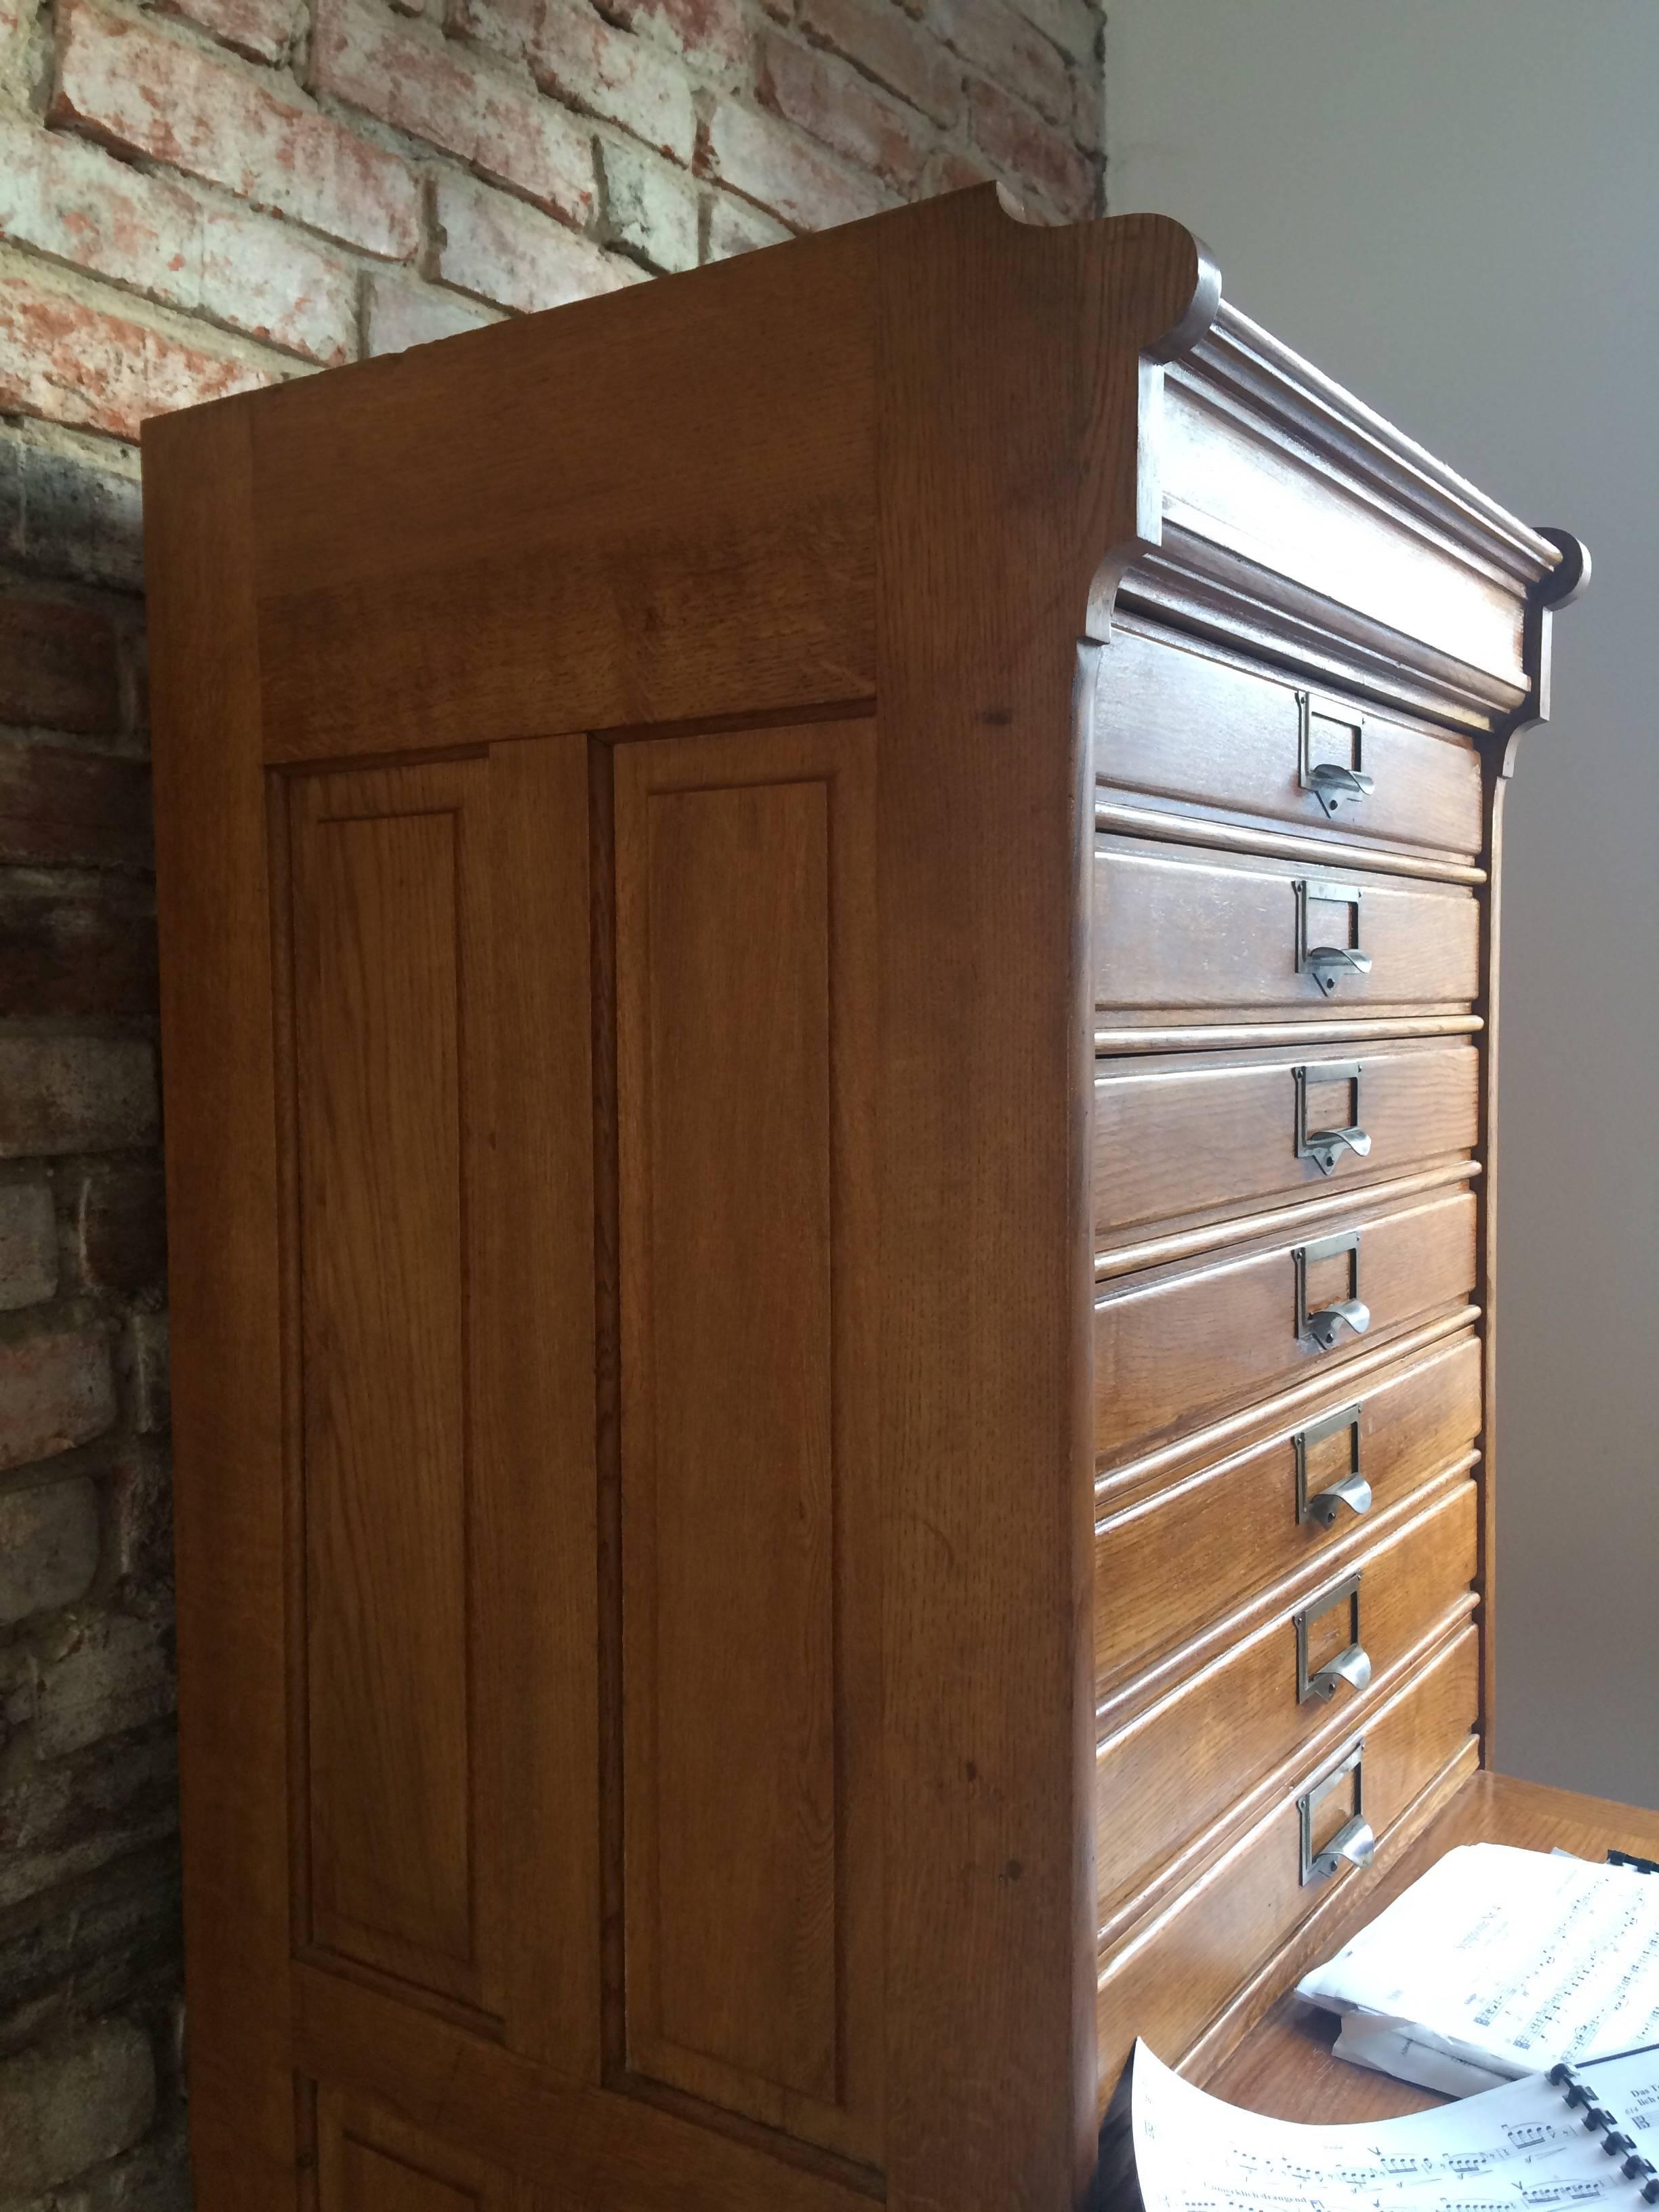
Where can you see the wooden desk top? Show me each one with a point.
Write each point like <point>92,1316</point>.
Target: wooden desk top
<point>1285,2067</point>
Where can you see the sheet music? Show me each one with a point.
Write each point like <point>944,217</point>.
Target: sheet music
<point>1520,2149</point>
<point>1512,1958</point>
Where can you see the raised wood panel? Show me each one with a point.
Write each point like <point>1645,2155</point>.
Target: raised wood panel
<point>1176,1348</point>
<point>1174,719</point>
<point>391,1020</point>
<point>1182,1136</point>
<point>1179,930</point>
<point>1230,1530</point>
<point>1168,1979</point>
<point>744,935</point>
<point>1164,1773</point>
<point>368,2159</point>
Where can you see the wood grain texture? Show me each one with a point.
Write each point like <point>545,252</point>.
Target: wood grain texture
<point>1285,2067</point>
<point>1178,932</point>
<point>393,1037</point>
<point>1174,1347</point>
<point>224,1278</point>
<point>983,838</point>
<point>519,566</point>
<point>1163,1772</point>
<point>368,2161</point>
<point>1172,717</point>
<point>1171,1978</point>
<point>745,943</point>
<point>1179,1138</point>
<point>1230,1530</point>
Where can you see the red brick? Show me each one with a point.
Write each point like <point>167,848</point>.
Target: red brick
<point>134,85</point>
<point>712,35</point>
<point>1088,112</point>
<point>61,806</point>
<point>80,205</point>
<point>824,97</point>
<point>1017,58</point>
<point>1028,151</point>
<point>141,1494</point>
<point>148,1373</point>
<point>577,56</point>
<point>651,209</point>
<point>75,1094</point>
<point>66,951</point>
<point>883,41</point>
<point>734,227</point>
<point>772,164</point>
<point>57,1389</point>
<point>116,1674</point>
<point>261,29</point>
<point>398,313</point>
<point>59,665</point>
<point>72,362</point>
<point>118,1229</point>
<point>29,1245</point>
<point>419,83</point>
<point>504,251</point>
<point>949,171</point>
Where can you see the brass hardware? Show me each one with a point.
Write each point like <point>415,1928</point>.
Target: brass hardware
<point>1333,786</point>
<point>1351,1490</point>
<point>1325,1147</point>
<point>1327,963</point>
<point>1352,1665</point>
<point>1353,1841</point>
<point>1323,1329</point>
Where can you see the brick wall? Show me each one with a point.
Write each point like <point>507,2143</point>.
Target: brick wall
<point>197,197</point>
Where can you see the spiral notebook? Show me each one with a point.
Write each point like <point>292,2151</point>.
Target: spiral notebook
<point>1576,2136</point>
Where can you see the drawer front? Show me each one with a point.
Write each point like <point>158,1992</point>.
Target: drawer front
<point>1174,721</point>
<point>1180,931</point>
<point>1181,1347</point>
<point>1259,1516</point>
<point>1303,1677</point>
<point>1181,1134</point>
<point>1168,1981</point>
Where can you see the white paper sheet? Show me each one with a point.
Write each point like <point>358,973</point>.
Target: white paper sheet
<point>1509,1959</point>
<point>1520,2149</point>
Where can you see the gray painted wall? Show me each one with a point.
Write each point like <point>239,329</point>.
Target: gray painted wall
<point>1453,206</point>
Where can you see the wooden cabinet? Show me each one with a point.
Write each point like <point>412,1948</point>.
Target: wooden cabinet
<point>829,1025</point>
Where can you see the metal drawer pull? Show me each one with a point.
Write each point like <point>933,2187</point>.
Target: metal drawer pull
<point>1325,1147</point>
<point>1353,1841</point>
<point>1331,784</point>
<point>1353,1492</point>
<point>1326,1327</point>
<point>1328,1146</point>
<point>1352,1667</point>
<point>1328,964</point>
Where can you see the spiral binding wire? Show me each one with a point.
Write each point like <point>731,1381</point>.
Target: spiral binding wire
<point>1614,2142</point>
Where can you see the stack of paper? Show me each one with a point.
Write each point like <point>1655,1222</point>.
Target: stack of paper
<point>1498,1963</point>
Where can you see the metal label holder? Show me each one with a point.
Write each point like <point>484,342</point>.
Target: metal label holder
<point>1352,1665</point>
<point>1325,1147</point>
<point>1327,963</point>
<point>1352,1489</point>
<point>1322,1330</point>
<point>1332,785</point>
<point>1353,1841</point>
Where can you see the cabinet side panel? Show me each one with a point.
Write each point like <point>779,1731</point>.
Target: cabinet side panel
<point>226,1322</point>
<point>737,1045</point>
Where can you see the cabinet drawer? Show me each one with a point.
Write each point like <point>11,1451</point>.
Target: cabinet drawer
<point>1176,1347</point>
<point>1257,1517</point>
<point>1179,1135</point>
<point>1304,1677</point>
<point>1178,931</point>
<point>1168,1978</point>
<point>1175,721</point>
